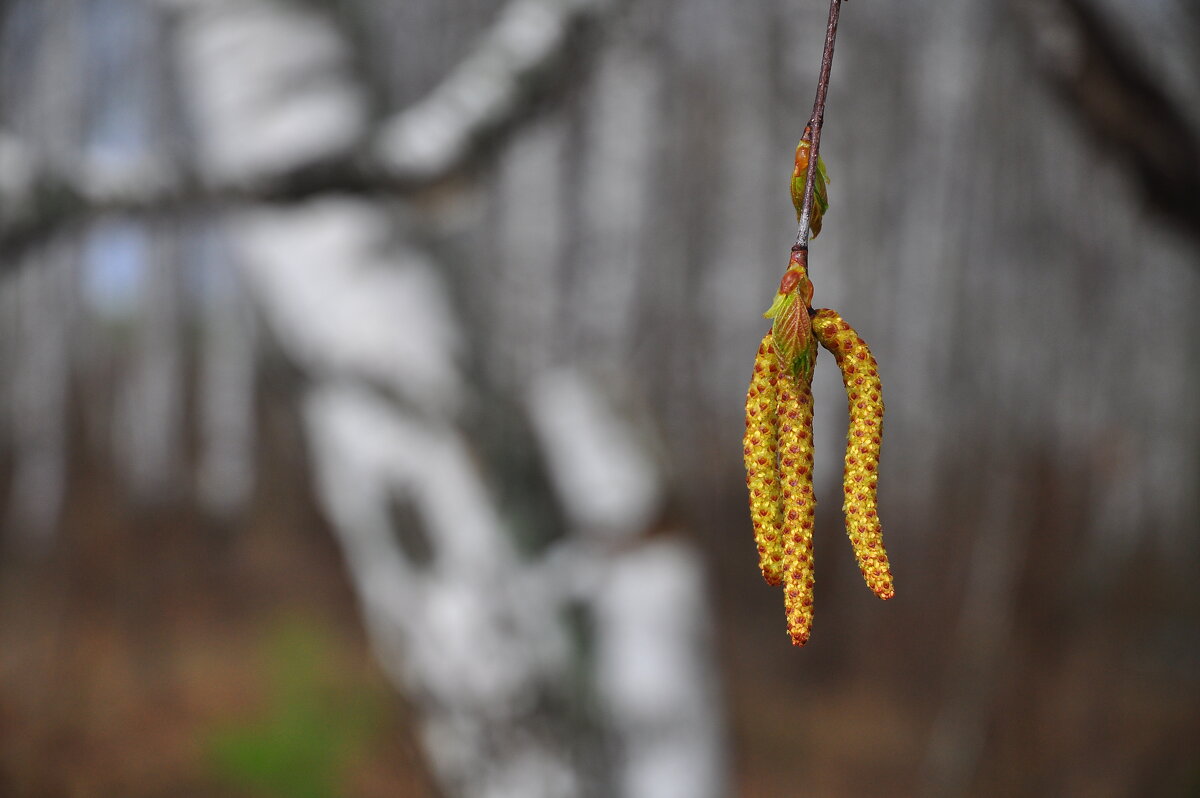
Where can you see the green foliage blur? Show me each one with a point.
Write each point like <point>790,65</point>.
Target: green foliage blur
<point>310,725</point>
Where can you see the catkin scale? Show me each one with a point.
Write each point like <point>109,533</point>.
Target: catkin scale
<point>759,449</point>
<point>864,394</point>
<point>794,414</point>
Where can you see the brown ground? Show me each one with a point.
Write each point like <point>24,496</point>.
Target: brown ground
<point>148,634</point>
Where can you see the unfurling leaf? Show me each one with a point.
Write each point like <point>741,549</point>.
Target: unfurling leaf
<point>792,333</point>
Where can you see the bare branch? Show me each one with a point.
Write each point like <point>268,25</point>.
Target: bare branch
<point>482,93</point>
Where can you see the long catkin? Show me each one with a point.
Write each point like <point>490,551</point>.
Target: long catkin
<point>798,505</point>
<point>760,448</point>
<point>864,394</point>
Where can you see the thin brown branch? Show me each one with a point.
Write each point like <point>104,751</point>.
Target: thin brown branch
<point>815,123</point>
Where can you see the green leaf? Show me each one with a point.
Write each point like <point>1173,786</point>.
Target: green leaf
<point>820,195</point>
<point>781,301</point>
<point>792,333</point>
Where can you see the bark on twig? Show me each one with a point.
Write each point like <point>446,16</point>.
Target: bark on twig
<point>815,123</point>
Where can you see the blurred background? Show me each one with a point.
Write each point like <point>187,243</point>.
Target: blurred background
<point>371,385</point>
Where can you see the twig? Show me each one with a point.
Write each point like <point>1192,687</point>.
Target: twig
<point>814,123</point>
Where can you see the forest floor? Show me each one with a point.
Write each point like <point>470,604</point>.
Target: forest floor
<point>156,653</point>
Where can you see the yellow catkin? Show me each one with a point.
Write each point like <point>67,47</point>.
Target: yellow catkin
<point>798,503</point>
<point>864,393</point>
<point>759,450</point>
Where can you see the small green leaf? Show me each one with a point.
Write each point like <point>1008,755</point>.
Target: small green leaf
<point>802,368</point>
<point>820,189</point>
<point>792,334</point>
<point>777,307</point>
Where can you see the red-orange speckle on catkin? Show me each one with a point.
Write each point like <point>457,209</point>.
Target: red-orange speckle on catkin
<point>864,394</point>
<point>760,451</point>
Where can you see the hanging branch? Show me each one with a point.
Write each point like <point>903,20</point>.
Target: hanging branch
<point>778,444</point>
<point>812,133</point>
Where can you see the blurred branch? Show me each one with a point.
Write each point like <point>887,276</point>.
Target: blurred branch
<point>483,93</point>
<point>1120,102</point>
<point>418,146</point>
<point>39,197</point>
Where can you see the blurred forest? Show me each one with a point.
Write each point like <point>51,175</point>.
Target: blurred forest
<point>371,385</point>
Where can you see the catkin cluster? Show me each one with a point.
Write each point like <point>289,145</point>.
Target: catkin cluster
<point>778,449</point>
<point>778,446</point>
<point>778,453</point>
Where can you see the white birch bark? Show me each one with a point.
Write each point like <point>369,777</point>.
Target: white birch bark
<point>480,636</point>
